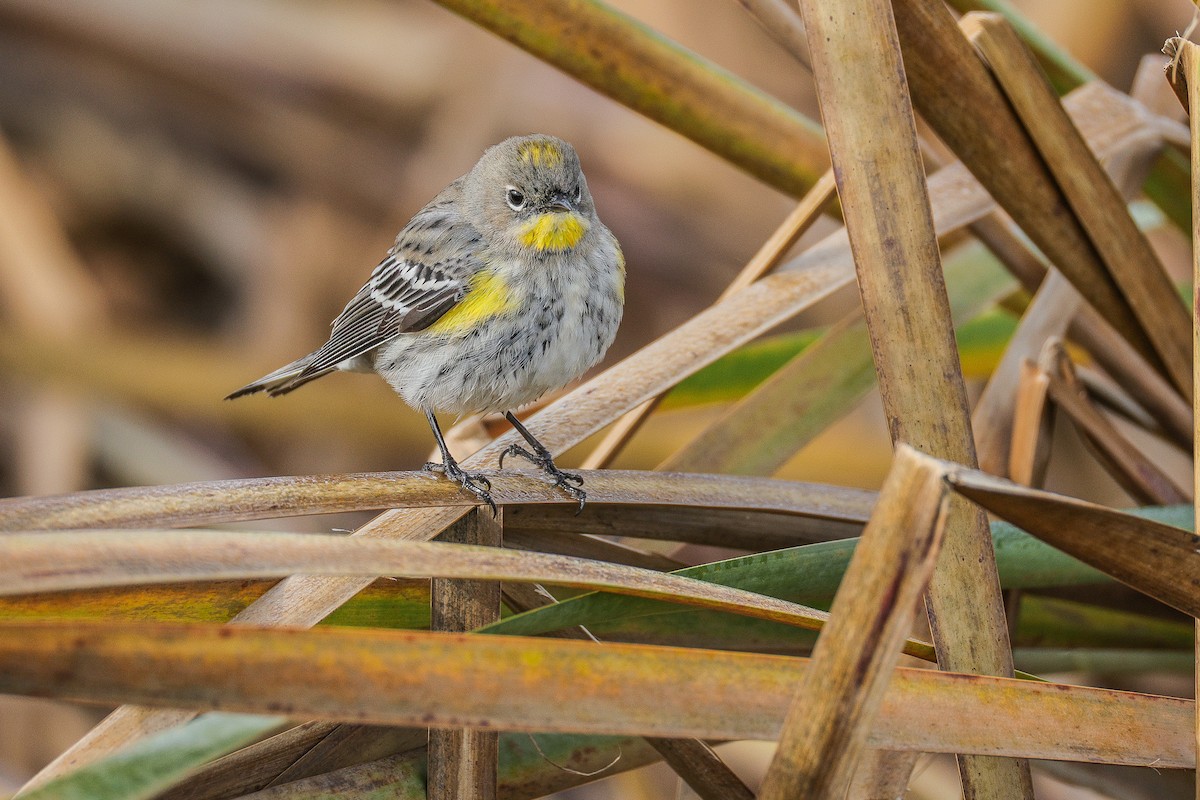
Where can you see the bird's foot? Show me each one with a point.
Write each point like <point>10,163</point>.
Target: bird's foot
<point>569,482</point>
<point>476,484</point>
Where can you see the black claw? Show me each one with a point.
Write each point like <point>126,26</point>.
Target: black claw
<point>577,493</point>
<point>476,484</point>
<point>562,479</point>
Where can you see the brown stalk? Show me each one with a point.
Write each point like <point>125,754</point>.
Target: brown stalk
<point>766,259</point>
<point>993,412</point>
<point>1136,473</point>
<point>1145,385</point>
<point>621,58</point>
<point>1002,419</point>
<point>463,761</point>
<point>1106,393</point>
<point>1032,428</point>
<point>1184,76</point>
<point>957,200</point>
<point>1096,202</point>
<point>836,703</point>
<point>955,94</point>
<point>1056,308</point>
<point>872,138</point>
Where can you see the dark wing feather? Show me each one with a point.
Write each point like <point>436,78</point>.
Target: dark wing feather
<point>402,296</point>
<point>425,274</point>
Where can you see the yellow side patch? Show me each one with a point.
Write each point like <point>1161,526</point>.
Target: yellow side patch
<point>553,231</point>
<point>541,154</point>
<point>488,297</point>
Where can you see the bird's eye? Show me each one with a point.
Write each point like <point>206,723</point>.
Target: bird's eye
<point>578,193</point>
<point>515,198</point>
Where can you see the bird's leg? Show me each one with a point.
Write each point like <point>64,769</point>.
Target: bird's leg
<point>477,485</point>
<point>569,482</point>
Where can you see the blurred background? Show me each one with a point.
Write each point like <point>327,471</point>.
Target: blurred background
<point>190,192</point>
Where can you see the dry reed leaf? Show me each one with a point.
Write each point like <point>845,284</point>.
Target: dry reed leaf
<point>835,705</point>
<point>1031,428</point>
<point>623,59</point>
<point>1153,558</point>
<point>1107,394</point>
<point>214,502</point>
<point>1132,469</point>
<point>766,259</point>
<point>957,200</point>
<point>513,683</point>
<point>1096,202</point>
<point>761,431</point>
<point>873,141</point>
<point>995,419</point>
<point>254,767</point>
<point>39,562</point>
<point>1149,388</point>
<point>955,94</point>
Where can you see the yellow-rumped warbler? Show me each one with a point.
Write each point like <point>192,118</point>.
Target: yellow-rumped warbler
<point>505,286</point>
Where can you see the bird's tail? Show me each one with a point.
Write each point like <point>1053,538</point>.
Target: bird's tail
<point>283,380</point>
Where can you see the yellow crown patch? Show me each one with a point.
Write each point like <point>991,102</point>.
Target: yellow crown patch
<point>541,154</point>
<point>553,231</point>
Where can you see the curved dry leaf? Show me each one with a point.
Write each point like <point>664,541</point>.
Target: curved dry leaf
<point>42,562</point>
<point>1157,559</point>
<point>213,502</point>
<point>549,685</point>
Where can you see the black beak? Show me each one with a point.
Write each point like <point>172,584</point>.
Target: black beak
<point>560,202</point>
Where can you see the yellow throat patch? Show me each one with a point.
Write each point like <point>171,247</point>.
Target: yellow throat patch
<point>541,154</point>
<point>489,296</point>
<point>553,231</point>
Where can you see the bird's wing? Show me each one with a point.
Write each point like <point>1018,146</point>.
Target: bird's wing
<point>426,274</point>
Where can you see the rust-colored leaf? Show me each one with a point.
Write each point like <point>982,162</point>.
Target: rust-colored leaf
<point>514,683</point>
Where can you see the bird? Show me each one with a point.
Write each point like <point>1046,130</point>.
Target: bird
<point>503,287</point>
